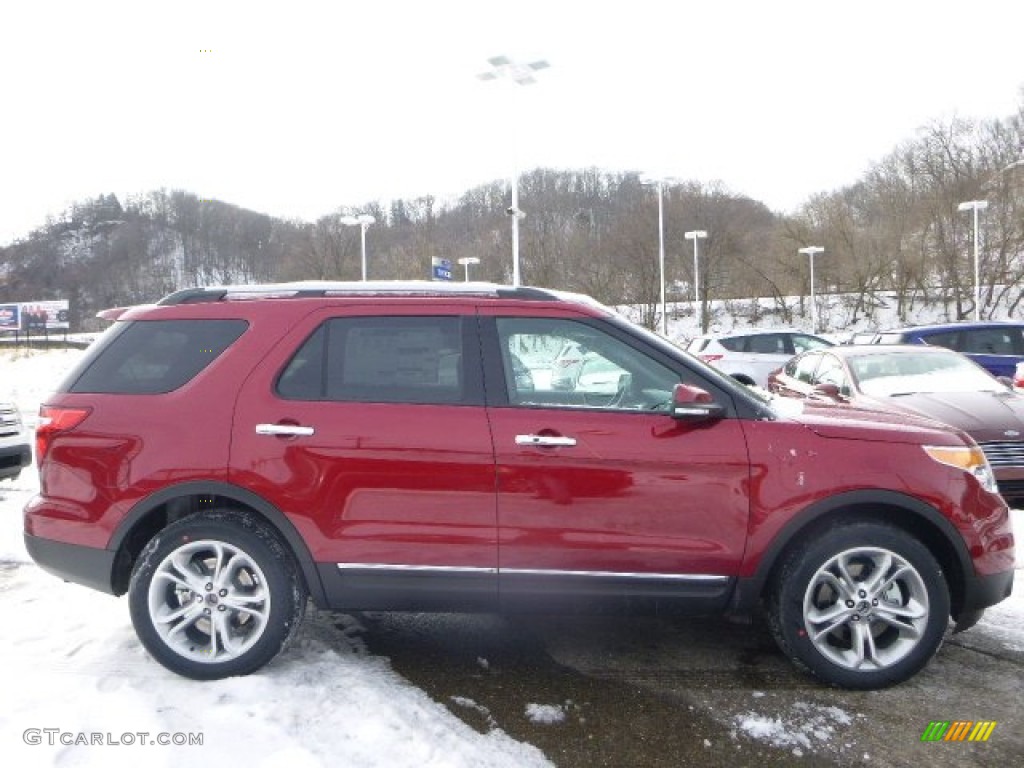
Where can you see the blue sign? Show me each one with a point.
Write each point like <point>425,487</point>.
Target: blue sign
<point>441,268</point>
<point>10,317</point>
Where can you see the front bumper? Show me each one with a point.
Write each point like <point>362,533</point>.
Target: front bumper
<point>980,592</point>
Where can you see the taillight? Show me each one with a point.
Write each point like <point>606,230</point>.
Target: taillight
<point>710,359</point>
<point>52,421</point>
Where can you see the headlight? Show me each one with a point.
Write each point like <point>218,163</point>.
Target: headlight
<point>970,460</point>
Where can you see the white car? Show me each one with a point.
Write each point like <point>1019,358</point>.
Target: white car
<point>751,355</point>
<point>15,451</point>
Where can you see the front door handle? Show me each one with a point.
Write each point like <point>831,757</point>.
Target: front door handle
<point>284,430</point>
<point>545,440</point>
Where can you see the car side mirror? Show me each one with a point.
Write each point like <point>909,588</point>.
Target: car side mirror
<point>827,390</point>
<point>690,403</point>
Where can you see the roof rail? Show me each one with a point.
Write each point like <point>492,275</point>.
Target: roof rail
<point>314,289</point>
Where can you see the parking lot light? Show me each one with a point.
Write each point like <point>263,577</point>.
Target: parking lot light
<point>976,205</point>
<point>812,251</point>
<point>362,221</point>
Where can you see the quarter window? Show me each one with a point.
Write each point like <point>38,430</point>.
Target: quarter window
<point>153,357</point>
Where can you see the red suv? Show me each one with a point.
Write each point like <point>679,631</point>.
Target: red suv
<point>230,452</point>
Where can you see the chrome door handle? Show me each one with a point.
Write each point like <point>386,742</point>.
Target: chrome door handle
<point>545,440</point>
<point>286,430</point>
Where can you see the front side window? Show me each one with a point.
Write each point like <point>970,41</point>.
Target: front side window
<point>805,367</point>
<point>803,342</point>
<point>605,372</point>
<point>831,371</point>
<point>379,360</point>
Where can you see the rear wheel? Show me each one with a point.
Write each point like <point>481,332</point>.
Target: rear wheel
<point>863,606</point>
<point>214,595</point>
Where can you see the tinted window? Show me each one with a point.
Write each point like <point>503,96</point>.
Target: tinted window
<point>947,339</point>
<point>154,356</point>
<point>379,360</point>
<point>992,341</point>
<point>767,344</point>
<point>734,344</point>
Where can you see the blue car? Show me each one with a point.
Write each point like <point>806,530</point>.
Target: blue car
<point>996,347</point>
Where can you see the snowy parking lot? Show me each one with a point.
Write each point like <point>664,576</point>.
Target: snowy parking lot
<point>417,690</point>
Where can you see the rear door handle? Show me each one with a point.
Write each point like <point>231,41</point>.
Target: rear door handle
<point>546,440</point>
<point>284,430</point>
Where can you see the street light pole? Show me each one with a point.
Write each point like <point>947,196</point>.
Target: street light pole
<point>522,74</point>
<point>362,221</point>
<point>976,205</point>
<point>812,251</point>
<point>695,235</point>
<point>466,261</point>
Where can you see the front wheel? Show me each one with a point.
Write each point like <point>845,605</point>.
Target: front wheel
<point>215,594</point>
<point>863,606</point>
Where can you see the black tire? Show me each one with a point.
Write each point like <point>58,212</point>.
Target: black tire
<point>216,594</point>
<point>830,615</point>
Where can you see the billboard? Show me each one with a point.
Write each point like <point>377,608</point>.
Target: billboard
<point>35,316</point>
<point>10,317</point>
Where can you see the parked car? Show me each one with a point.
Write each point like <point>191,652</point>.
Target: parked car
<point>750,356</point>
<point>927,381</point>
<point>226,454</point>
<point>15,451</point>
<point>996,347</point>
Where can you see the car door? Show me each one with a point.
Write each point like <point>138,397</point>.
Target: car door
<point>602,495</point>
<point>368,431</point>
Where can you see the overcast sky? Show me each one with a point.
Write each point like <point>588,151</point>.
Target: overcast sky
<point>295,108</point>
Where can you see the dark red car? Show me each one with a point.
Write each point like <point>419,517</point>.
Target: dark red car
<point>924,381</point>
<point>227,454</point>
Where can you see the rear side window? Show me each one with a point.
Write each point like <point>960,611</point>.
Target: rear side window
<point>768,344</point>
<point>151,357</point>
<point>993,341</point>
<point>734,344</point>
<point>379,360</point>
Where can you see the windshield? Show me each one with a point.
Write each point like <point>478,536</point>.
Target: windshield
<point>893,374</point>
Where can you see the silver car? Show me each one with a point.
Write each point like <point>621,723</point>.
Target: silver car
<point>751,355</point>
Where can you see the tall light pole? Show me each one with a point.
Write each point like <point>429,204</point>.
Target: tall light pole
<point>812,251</point>
<point>362,221</point>
<point>521,74</point>
<point>659,184</point>
<point>695,235</point>
<point>976,205</point>
<point>465,261</point>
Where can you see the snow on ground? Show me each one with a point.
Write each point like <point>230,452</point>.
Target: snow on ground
<point>70,661</point>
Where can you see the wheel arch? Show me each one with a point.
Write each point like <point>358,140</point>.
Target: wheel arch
<point>151,515</point>
<point>912,515</point>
